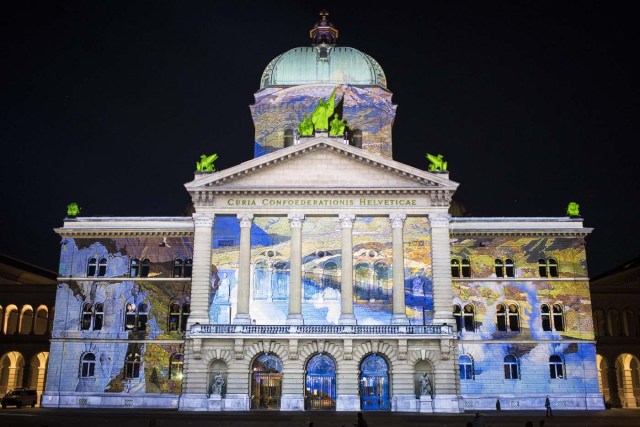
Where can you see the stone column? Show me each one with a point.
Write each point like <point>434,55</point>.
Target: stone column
<point>295,270</point>
<point>244,270</point>
<point>201,273</point>
<point>346,285</point>
<point>399,308</point>
<point>441,258</point>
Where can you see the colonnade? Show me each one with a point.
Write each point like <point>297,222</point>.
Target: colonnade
<point>202,269</point>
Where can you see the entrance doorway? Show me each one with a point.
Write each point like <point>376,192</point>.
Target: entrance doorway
<point>266,382</point>
<point>374,383</point>
<point>320,383</point>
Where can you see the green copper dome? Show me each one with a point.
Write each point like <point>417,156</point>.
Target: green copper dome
<point>323,62</point>
<point>335,65</point>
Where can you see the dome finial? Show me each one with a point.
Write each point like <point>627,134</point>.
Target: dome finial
<point>323,32</point>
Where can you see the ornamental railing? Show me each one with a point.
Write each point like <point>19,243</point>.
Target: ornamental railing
<point>198,329</point>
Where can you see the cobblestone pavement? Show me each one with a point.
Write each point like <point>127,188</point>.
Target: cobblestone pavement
<point>36,417</point>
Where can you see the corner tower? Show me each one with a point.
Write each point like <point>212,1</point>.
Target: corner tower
<point>294,82</point>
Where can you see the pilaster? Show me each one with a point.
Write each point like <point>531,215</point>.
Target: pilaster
<point>201,274</point>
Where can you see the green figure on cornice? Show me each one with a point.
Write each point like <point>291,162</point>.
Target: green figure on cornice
<point>305,128</point>
<point>73,209</point>
<point>322,112</point>
<point>206,163</point>
<point>573,209</point>
<point>337,126</point>
<point>437,163</point>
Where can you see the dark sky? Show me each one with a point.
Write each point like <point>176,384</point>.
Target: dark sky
<point>109,103</point>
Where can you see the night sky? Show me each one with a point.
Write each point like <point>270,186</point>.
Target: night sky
<point>110,103</point>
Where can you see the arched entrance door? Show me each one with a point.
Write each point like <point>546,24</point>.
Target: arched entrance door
<point>266,382</point>
<point>374,383</point>
<point>320,383</point>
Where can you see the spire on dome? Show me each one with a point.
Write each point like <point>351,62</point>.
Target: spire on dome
<point>323,32</point>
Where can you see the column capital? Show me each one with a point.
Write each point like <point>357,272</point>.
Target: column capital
<point>203,220</point>
<point>397,220</point>
<point>439,220</point>
<point>346,220</point>
<point>295,220</point>
<point>245,220</point>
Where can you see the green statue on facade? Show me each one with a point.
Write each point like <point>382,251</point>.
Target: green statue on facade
<point>322,112</point>
<point>437,163</point>
<point>206,163</point>
<point>305,128</point>
<point>573,209</point>
<point>73,209</point>
<point>337,126</point>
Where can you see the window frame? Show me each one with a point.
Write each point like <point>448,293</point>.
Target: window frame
<point>556,367</point>
<point>467,367</point>
<point>511,367</point>
<point>88,365</point>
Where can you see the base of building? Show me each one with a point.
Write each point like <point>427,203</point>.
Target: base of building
<point>110,400</point>
<point>592,402</point>
<point>348,402</point>
<point>292,402</point>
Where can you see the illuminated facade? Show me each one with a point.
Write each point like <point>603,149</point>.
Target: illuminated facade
<point>321,275</point>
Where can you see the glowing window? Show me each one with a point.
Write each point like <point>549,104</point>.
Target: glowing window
<point>466,268</point>
<point>132,366</point>
<point>455,268</point>
<point>466,367</point>
<point>92,266</point>
<point>174,317</point>
<point>556,367</point>
<point>130,317</point>
<point>511,368</point>
<point>102,267</point>
<point>176,365</point>
<point>88,366</point>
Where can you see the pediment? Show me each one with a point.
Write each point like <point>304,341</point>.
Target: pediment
<point>321,165</point>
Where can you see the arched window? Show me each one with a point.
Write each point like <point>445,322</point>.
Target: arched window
<point>509,268</point>
<point>98,319</point>
<point>628,326</point>
<point>514,317</point>
<point>144,268</point>
<point>88,366</point>
<point>599,324</point>
<point>186,310</point>
<point>92,267</point>
<point>548,267</point>
<point>542,267</point>
<point>466,267</point>
<point>176,365</point>
<point>499,267</point>
<point>87,314</point>
<point>174,316</point>
<point>553,267</point>
<point>26,320</point>
<point>465,362</point>
<point>501,317</point>
<point>41,322</point>
<point>1,318</point>
<point>177,267</point>
<point>132,366</point>
<point>455,267</point>
<point>545,316</point>
<point>143,314</point>
<point>356,138</point>
<point>134,267</point>
<point>288,138</point>
<point>613,323</point>
<point>468,315</point>
<point>130,317</point>
<point>457,314</point>
<point>511,368</point>
<point>558,317</point>
<point>102,267</point>
<point>188,267</point>
<point>556,367</point>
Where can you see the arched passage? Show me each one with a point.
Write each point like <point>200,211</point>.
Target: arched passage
<point>266,382</point>
<point>374,383</point>
<point>11,371</point>
<point>628,376</point>
<point>38,372</point>
<point>320,383</point>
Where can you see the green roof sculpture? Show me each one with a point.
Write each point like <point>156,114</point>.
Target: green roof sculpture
<point>336,126</point>
<point>437,163</point>
<point>305,128</point>
<point>573,209</point>
<point>322,112</point>
<point>73,209</point>
<point>206,163</point>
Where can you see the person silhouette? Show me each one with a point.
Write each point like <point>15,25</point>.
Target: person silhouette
<point>547,404</point>
<point>361,421</point>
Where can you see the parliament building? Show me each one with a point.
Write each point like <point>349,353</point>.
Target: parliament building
<point>323,275</point>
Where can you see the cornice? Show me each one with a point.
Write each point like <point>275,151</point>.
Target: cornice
<point>521,233</point>
<point>96,232</point>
